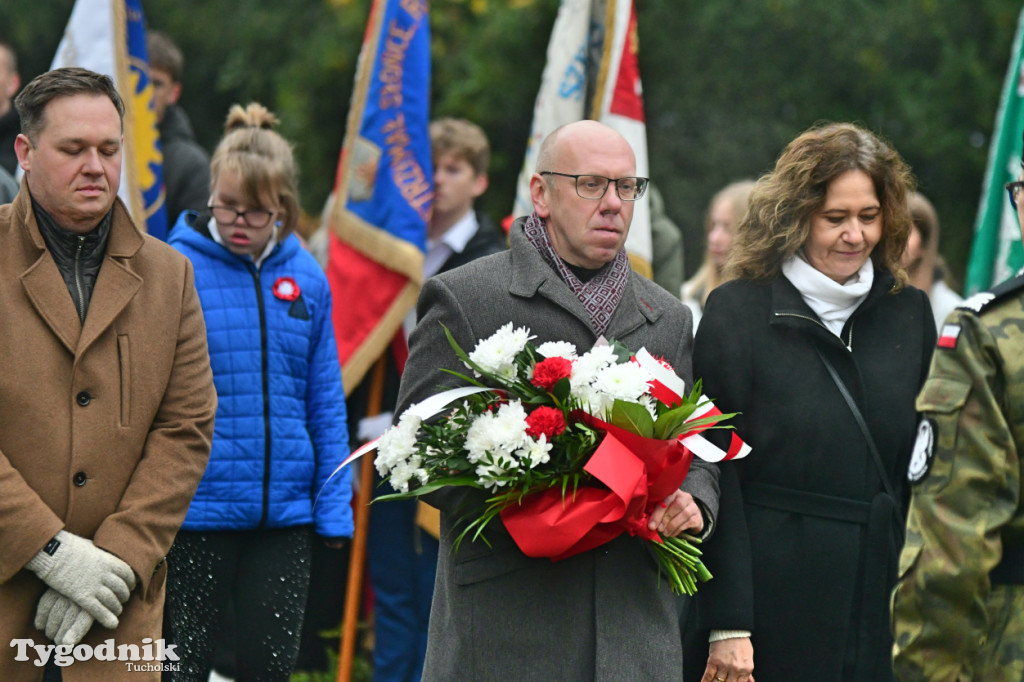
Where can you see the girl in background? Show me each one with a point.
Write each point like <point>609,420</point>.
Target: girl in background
<point>925,267</point>
<point>280,428</point>
<point>724,214</point>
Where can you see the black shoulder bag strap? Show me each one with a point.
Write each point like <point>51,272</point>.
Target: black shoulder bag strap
<point>860,422</point>
<point>876,578</point>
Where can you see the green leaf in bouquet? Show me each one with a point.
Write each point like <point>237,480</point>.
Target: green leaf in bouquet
<point>575,484</point>
<point>525,359</point>
<point>633,417</point>
<point>474,528</point>
<point>671,423</point>
<point>465,377</point>
<point>461,354</point>
<point>429,488</point>
<point>622,354</point>
<point>456,464</point>
<point>695,393</point>
<point>583,428</point>
<point>713,422</point>
<point>561,390</point>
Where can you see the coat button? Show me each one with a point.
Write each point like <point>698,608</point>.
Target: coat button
<point>83,398</point>
<point>79,479</point>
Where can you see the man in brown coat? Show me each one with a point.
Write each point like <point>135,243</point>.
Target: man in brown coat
<point>106,397</point>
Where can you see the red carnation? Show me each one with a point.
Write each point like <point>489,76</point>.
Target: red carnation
<point>547,421</point>
<point>550,371</point>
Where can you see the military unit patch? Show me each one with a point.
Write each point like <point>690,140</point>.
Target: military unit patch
<point>948,336</point>
<point>924,451</point>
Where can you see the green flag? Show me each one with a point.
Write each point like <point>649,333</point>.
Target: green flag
<point>997,252</point>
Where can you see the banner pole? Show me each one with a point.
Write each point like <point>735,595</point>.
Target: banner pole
<point>357,559</point>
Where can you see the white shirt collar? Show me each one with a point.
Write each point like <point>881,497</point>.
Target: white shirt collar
<point>458,235</point>
<point>439,250</point>
<point>454,240</point>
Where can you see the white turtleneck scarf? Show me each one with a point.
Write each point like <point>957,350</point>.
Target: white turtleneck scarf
<point>831,301</point>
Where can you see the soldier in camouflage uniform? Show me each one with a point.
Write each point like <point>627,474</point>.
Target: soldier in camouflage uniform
<point>958,608</point>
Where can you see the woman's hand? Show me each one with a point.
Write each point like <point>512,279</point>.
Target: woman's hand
<point>677,513</point>
<point>730,660</point>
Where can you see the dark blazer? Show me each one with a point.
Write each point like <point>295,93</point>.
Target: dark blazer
<point>498,614</point>
<point>186,169</point>
<point>805,552</point>
<point>487,239</point>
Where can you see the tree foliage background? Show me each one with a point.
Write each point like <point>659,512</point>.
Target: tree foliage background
<point>727,84</point>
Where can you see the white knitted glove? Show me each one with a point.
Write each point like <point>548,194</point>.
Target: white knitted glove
<point>63,621</point>
<point>94,579</point>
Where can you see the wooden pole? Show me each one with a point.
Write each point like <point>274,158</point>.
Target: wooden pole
<point>357,559</point>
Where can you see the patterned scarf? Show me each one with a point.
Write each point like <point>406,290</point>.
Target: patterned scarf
<point>600,296</point>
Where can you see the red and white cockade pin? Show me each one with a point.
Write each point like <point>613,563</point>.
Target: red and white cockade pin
<point>286,289</point>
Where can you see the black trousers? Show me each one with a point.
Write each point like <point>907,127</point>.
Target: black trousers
<point>264,573</point>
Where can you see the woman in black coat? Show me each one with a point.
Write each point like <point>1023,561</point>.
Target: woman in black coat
<point>809,533</point>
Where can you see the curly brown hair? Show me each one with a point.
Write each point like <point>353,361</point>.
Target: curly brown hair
<point>785,200</point>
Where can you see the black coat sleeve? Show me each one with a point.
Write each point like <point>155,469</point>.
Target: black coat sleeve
<point>722,360</point>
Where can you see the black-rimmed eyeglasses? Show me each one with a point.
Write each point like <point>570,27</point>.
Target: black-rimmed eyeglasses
<point>254,217</point>
<point>594,186</point>
<point>1014,189</point>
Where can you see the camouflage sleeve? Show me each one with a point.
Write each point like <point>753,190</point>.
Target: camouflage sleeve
<point>966,483</point>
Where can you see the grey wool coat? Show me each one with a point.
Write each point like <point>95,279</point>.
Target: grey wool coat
<point>498,614</point>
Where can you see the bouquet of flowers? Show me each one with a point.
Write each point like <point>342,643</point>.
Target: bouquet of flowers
<point>573,449</point>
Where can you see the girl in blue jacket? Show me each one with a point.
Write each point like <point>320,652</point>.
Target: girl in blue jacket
<point>280,428</point>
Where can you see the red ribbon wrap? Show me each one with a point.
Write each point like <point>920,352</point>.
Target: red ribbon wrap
<point>639,473</point>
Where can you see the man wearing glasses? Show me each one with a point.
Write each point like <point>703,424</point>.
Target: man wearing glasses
<point>603,614</point>
<point>958,609</point>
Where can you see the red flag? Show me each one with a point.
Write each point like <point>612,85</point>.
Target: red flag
<point>384,190</point>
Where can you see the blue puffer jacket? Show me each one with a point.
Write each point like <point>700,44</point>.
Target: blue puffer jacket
<point>280,428</point>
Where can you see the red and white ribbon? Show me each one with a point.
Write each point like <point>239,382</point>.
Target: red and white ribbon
<point>424,410</point>
<point>667,387</point>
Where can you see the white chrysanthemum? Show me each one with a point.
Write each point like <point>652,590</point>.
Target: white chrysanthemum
<point>397,444</point>
<point>651,404</point>
<point>508,429</point>
<point>595,402</point>
<point>480,438</point>
<point>497,353</point>
<point>557,349</point>
<point>536,452</point>
<point>491,476</point>
<point>585,369</point>
<point>627,381</point>
<point>403,472</point>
